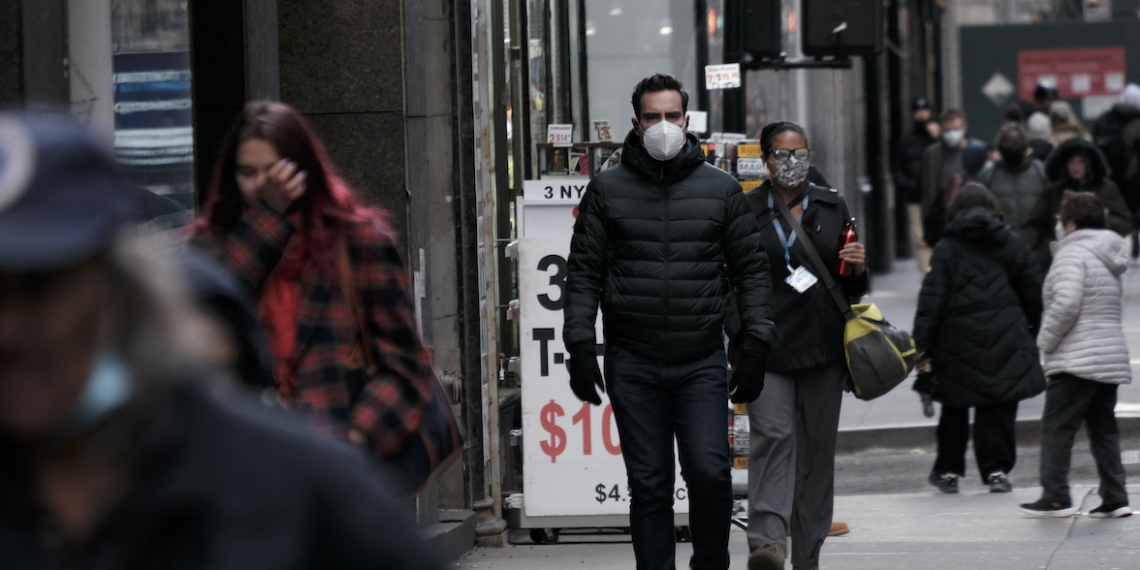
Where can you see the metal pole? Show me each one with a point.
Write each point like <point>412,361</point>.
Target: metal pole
<point>500,95</point>
<point>898,107</point>
<point>875,222</point>
<point>583,75</point>
<point>702,54</point>
<point>735,120</point>
<point>467,239</point>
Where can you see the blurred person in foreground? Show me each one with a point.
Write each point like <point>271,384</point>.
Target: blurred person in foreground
<point>1086,359</point>
<point>240,350</point>
<point>280,218</point>
<point>1077,165</point>
<point>661,243</point>
<point>978,311</point>
<point>114,450</point>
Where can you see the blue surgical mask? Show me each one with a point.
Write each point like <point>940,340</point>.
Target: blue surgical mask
<point>108,387</point>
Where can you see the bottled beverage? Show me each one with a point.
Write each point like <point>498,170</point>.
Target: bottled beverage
<point>849,235</point>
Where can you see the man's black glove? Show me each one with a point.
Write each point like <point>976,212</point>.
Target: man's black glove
<point>748,375</point>
<point>584,373</point>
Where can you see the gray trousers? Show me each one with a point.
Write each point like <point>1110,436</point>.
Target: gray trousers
<point>1069,402</point>
<point>791,465</point>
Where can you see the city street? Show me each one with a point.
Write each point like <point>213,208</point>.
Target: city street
<point>897,520</point>
<point>408,225</point>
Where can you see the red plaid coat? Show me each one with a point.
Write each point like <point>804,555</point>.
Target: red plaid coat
<point>392,403</point>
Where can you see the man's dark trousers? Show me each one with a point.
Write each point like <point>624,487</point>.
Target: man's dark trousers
<point>1069,401</point>
<point>995,441</point>
<point>653,402</point>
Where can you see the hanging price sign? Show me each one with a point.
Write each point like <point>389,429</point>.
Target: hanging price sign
<point>572,454</point>
<point>725,76</point>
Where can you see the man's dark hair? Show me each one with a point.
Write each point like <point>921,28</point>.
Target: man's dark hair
<point>772,129</point>
<point>1084,209</point>
<point>973,195</point>
<point>655,83</point>
<point>951,114</point>
<point>1014,114</point>
<point>1043,93</point>
<point>1010,131</point>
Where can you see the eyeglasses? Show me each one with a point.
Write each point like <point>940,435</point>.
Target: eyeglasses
<point>782,154</point>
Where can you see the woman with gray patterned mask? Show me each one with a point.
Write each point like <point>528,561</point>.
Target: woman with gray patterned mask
<point>795,420</point>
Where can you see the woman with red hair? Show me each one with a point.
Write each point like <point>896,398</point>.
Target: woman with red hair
<point>280,218</point>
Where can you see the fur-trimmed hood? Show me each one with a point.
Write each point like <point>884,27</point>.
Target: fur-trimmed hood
<point>1056,166</point>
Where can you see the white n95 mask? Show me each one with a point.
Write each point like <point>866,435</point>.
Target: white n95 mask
<point>664,140</point>
<point>953,137</point>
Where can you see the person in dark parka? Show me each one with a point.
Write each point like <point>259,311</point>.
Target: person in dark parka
<point>1077,165</point>
<point>978,313</point>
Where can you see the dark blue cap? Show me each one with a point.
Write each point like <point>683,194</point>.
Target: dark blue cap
<point>974,159</point>
<point>62,199</point>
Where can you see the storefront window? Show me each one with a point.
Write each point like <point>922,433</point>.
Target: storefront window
<point>154,140</point>
<point>632,39</point>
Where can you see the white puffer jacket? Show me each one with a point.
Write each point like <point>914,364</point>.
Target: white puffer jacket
<point>1081,331</point>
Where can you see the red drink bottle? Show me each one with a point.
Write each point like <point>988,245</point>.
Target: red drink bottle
<point>849,235</point>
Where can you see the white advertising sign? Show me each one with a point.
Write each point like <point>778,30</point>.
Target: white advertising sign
<point>602,131</point>
<point>698,121</point>
<point>725,76</point>
<point>559,135</point>
<point>572,462</point>
<point>751,167</point>
<point>555,189</point>
<point>548,218</point>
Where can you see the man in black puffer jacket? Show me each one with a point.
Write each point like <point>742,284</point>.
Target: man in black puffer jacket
<point>659,243</point>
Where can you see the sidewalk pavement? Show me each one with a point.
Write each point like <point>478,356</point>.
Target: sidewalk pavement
<point>969,531</point>
<point>881,421</point>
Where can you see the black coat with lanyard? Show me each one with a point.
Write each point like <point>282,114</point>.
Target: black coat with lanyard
<point>809,326</point>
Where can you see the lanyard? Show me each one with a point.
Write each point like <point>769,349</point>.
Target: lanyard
<point>785,240</point>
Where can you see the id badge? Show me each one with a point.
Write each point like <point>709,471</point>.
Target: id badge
<point>801,279</point>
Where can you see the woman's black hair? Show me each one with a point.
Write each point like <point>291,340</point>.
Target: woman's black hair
<point>772,129</point>
<point>1014,114</point>
<point>1010,131</point>
<point>973,195</point>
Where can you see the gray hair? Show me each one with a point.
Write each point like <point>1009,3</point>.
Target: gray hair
<point>153,325</point>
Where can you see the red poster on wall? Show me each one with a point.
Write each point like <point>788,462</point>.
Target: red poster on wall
<point>1075,73</point>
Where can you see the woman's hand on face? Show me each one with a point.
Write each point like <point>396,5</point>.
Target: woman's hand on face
<point>854,254</point>
<point>283,186</point>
